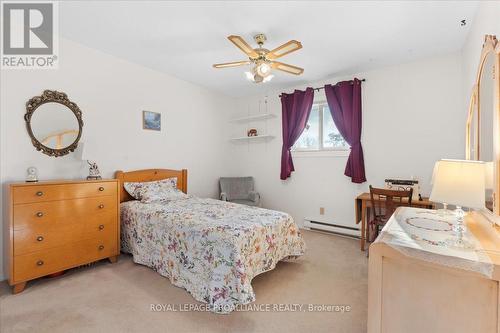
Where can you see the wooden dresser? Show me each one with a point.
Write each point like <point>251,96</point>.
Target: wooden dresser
<point>58,225</point>
<point>412,292</point>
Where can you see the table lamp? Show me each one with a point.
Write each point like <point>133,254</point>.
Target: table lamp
<point>444,210</point>
<point>460,183</point>
<point>85,155</point>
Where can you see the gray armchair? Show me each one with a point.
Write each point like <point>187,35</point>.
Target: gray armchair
<point>239,190</point>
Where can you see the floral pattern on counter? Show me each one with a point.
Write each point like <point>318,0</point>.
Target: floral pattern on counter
<point>211,248</point>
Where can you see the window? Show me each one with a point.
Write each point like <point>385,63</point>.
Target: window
<point>320,132</point>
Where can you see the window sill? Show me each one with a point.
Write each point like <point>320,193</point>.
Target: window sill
<point>320,153</point>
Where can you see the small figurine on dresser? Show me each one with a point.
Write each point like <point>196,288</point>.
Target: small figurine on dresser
<point>32,176</point>
<point>94,172</point>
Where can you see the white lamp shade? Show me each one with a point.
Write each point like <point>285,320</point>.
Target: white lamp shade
<point>460,183</point>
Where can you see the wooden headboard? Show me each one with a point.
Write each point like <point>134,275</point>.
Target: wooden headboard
<point>149,175</point>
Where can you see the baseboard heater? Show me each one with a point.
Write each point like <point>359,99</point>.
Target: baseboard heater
<point>337,229</point>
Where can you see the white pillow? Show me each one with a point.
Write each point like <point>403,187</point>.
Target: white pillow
<point>136,189</point>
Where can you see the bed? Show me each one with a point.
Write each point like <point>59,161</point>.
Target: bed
<point>211,248</point>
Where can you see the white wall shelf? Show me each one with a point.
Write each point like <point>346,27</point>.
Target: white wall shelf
<point>255,117</point>
<point>251,138</point>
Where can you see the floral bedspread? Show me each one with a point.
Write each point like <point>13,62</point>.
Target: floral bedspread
<point>211,248</point>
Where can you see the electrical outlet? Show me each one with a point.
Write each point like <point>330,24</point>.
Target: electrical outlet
<point>321,210</point>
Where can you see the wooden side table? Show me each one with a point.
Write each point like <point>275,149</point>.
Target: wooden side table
<point>363,204</point>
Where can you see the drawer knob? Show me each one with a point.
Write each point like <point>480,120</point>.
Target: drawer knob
<point>101,247</point>
<point>101,188</point>
<point>39,214</point>
<point>101,226</point>
<point>101,206</point>
<point>39,193</point>
<point>39,263</point>
<point>39,238</point>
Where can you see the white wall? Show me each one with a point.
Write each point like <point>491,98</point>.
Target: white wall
<point>412,116</point>
<point>112,94</point>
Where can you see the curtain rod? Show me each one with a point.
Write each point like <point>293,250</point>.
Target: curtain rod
<point>318,89</point>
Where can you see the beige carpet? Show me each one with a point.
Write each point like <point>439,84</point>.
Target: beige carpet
<point>117,297</point>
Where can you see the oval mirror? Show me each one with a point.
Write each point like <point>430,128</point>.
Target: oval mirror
<point>482,129</point>
<point>486,108</point>
<point>54,123</point>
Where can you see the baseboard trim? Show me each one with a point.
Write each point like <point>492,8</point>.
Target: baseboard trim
<point>341,230</point>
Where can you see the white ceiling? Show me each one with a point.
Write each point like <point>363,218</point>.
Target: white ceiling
<point>185,38</point>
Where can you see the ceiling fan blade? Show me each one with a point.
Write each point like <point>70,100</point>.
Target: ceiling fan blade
<point>284,49</point>
<point>232,64</point>
<point>287,68</point>
<point>242,45</point>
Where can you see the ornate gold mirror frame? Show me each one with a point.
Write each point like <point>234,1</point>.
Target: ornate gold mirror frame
<point>52,96</point>
<point>473,125</point>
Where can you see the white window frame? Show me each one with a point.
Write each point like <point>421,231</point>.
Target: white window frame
<point>321,151</point>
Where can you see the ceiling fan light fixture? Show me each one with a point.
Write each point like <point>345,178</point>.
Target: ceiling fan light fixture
<point>263,61</point>
<point>255,77</point>
<point>249,76</point>
<point>263,69</point>
<point>258,78</point>
<point>268,78</point>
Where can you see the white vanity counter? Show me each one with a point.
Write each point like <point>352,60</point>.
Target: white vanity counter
<point>418,284</point>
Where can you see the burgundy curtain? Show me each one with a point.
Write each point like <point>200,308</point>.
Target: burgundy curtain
<point>295,109</point>
<point>344,101</point>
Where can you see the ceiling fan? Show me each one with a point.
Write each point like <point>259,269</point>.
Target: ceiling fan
<point>263,59</point>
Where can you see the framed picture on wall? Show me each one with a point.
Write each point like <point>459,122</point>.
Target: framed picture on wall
<point>151,120</point>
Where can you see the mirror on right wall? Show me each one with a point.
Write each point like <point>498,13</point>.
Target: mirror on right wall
<point>483,121</point>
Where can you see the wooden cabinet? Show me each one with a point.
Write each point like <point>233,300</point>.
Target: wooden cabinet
<point>59,225</point>
<point>408,294</point>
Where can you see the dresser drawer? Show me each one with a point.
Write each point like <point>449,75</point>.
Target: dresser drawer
<point>38,238</point>
<point>33,265</point>
<point>41,193</point>
<point>56,214</point>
